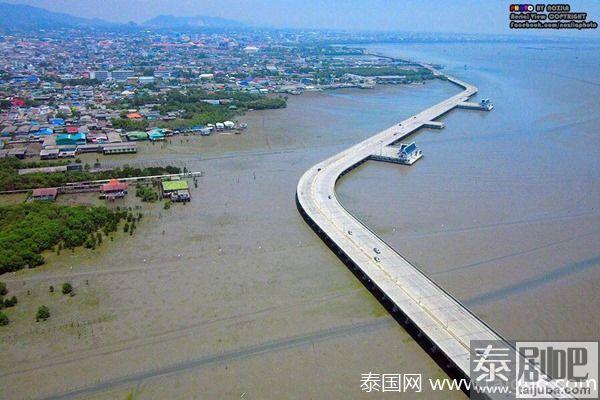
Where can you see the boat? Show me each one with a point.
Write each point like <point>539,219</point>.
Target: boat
<point>409,153</point>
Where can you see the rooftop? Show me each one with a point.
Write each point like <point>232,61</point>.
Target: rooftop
<point>169,186</point>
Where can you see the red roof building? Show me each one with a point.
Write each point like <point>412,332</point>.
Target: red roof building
<point>44,194</point>
<point>114,186</point>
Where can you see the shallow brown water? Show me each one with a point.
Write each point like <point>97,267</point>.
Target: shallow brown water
<point>238,295</point>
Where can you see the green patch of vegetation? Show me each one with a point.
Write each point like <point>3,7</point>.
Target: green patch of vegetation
<point>193,109</point>
<point>267,103</point>
<point>43,313</point>
<point>11,180</point>
<point>129,125</point>
<point>67,288</point>
<point>27,229</point>
<point>146,193</point>
<point>167,205</point>
<point>10,302</point>
<point>3,319</point>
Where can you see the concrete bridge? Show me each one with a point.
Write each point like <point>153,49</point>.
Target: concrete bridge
<point>443,326</point>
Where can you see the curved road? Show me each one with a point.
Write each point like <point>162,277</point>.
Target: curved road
<point>440,317</point>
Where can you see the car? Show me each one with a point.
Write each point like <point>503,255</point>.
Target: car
<point>376,250</point>
<point>376,259</point>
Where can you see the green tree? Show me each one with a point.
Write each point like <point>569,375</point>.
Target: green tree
<point>11,302</point>
<point>3,289</point>
<point>67,288</point>
<point>3,319</point>
<point>43,313</point>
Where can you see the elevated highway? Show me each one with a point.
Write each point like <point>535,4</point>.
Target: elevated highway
<point>447,326</point>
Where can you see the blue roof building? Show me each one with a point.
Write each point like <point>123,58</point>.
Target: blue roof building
<point>66,139</point>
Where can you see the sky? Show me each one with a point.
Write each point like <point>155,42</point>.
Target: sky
<point>466,16</point>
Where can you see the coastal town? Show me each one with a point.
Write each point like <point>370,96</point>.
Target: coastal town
<point>83,115</point>
<point>62,94</point>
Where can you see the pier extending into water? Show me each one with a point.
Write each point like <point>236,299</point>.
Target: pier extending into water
<point>446,323</point>
<point>441,324</point>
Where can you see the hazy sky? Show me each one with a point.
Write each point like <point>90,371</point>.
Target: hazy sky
<point>471,16</point>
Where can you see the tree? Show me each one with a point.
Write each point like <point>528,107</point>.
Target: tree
<point>90,242</point>
<point>3,289</point>
<point>43,313</point>
<point>3,319</point>
<point>67,288</point>
<point>51,289</point>
<point>10,302</point>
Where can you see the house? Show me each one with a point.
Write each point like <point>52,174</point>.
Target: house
<point>68,139</point>
<point>20,152</point>
<point>134,116</point>
<point>114,189</point>
<point>47,194</point>
<point>119,148</point>
<point>409,153</point>
<point>156,135</point>
<point>136,136</point>
<point>176,190</point>
<point>48,154</point>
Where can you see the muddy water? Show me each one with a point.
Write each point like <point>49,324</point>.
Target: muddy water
<point>502,211</point>
<point>229,296</point>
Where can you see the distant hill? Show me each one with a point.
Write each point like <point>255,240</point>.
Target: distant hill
<point>199,21</point>
<point>19,16</point>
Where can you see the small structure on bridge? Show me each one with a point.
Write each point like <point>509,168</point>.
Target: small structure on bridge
<point>483,105</point>
<point>409,153</point>
<point>434,125</point>
<point>406,154</point>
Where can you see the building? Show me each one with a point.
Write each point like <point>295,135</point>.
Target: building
<point>156,135</point>
<point>114,189</point>
<point>162,74</point>
<point>135,136</point>
<point>67,139</point>
<point>119,148</point>
<point>47,194</point>
<point>48,154</point>
<point>176,190</point>
<point>409,153</point>
<point>146,80</point>
<point>122,75</point>
<point>19,152</point>
<point>100,75</point>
